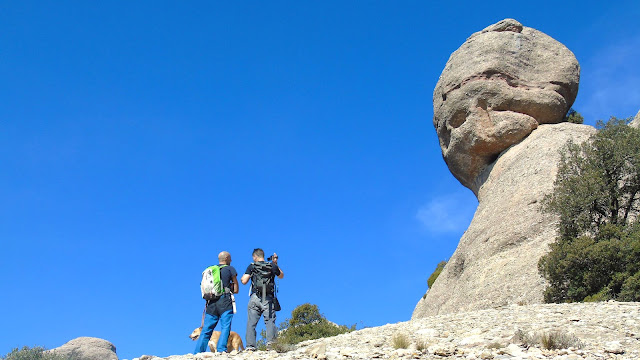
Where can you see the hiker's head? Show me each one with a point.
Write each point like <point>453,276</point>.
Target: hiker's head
<point>258,254</point>
<point>224,258</point>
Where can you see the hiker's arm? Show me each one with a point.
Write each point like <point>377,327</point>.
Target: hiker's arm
<point>245,279</point>
<point>235,284</point>
<point>275,262</point>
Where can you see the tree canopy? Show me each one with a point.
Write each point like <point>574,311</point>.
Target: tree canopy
<point>598,181</point>
<point>597,198</point>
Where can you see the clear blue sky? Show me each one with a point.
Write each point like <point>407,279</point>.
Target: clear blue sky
<point>140,138</point>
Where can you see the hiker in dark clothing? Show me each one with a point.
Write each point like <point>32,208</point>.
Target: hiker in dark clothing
<point>262,275</point>
<point>221,308</point>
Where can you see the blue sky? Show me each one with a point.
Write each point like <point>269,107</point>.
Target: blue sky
<point>139,139</point>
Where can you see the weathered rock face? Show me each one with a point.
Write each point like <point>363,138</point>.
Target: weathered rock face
<point>496,260</point>
<point>495,90</point>
<point>636,121</point>
<point>88,348</point>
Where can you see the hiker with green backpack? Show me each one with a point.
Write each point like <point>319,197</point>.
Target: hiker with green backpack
<point>263,301</point>
<point>219,283</point>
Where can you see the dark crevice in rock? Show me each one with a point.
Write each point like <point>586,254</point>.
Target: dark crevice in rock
<point>458,266</point>
<point>487,75</point>
<point>458,118</point>
<point>445,136</point>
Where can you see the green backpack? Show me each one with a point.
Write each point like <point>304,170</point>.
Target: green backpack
<point>211,286</point>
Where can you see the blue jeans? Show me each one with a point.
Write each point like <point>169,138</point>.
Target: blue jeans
<point>210,322</point>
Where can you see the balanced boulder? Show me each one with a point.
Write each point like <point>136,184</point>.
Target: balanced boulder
<point>495,90</point>
<point>499,107</point>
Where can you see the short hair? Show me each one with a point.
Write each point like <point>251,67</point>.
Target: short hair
<point>223,256</point>
<point>258,252</point>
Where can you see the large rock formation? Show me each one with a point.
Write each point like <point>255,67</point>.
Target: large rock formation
<point>497,107</point>
<point>88,348</point>
<point>636,121</point>
<point>495,90</point>
<point>496,260</point>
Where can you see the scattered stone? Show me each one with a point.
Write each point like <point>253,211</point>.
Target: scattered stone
<point>613,347</point>
<point>442,350</point>
<point>486,355</point>
<point>317,351</point>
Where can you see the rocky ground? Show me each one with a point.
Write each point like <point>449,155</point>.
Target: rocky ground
<point>593,331</point>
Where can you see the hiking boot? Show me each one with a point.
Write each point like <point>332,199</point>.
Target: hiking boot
<point>250,349</point>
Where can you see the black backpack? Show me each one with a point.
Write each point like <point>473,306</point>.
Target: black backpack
<point>262,278</point>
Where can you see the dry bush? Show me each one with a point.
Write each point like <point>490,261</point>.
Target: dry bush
<point>548,340</point>
<point>559,340</point>
<point>422,345</point>
<point>400,341</point>
<point>525,339</point>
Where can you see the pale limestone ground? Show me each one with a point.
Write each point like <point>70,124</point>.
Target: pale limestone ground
<point>608,330</point>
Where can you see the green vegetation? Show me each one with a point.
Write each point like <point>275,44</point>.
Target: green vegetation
<point>574,117</point>
<point>597,198</point>
<point>432,278</point>
<point>436,273</point>
<point>35,353</point>
<point>306,323</point>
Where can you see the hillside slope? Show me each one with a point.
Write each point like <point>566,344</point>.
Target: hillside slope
<point>608,330</point>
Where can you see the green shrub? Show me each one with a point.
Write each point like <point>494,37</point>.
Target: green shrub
<point>436,273</point>
<point>597,181</point>
<point>306,323</point>
<point>574,117</point>
<point>631,288</point>
<point>35,353</point>
<point>596,197</point>
<point>432,278</point>
<point>603,295</point>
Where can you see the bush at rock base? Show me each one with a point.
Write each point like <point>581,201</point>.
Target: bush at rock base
<point>597,199</point>
<point>574,117</point>
<point>306,323</point>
